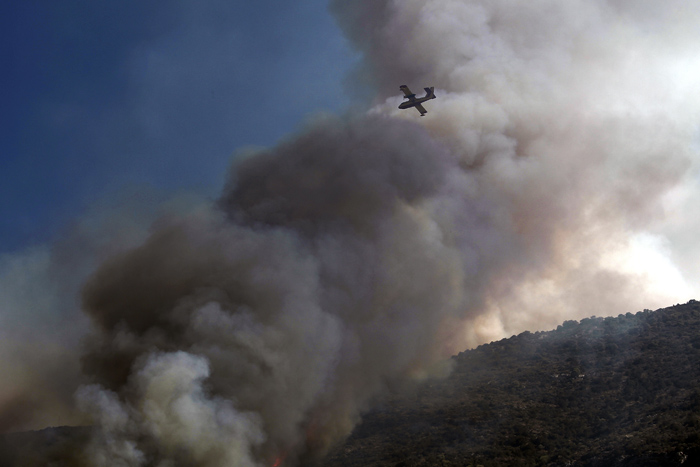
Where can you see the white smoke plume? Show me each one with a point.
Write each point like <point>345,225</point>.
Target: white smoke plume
<point>579,122</point>
<point>553,177</point>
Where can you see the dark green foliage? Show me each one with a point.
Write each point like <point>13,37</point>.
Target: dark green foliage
<point>55,447</point>
<point>619,391</point>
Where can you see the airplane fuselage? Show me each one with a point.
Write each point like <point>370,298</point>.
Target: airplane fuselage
<point>415,102</point>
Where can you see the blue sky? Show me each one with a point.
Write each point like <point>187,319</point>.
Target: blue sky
<point>105,97</point>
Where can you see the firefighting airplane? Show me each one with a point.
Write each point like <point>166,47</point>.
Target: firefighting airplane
<point>413,102</point>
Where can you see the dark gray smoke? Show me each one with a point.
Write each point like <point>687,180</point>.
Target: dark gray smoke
<point>272,319</point>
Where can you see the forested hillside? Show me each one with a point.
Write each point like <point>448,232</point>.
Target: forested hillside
<point>606,391</point>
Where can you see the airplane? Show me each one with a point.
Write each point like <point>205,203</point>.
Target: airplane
<point>413,102</point>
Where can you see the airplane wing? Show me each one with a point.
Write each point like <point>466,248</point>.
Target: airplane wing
<point>407,91</point>
<point>421,109</point>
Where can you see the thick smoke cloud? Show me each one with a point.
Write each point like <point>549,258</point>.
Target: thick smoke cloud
<point>319,279</point>
<point>578,120</point>
<point>368,248</point>
<point>556,164</point>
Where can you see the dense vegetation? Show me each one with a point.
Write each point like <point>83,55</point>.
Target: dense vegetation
<point>619,391</point>
<point>53,447</point>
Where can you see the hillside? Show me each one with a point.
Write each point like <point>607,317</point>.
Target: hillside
<point>619,391</point>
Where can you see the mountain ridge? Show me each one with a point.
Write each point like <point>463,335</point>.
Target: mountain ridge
<point>621,391</point>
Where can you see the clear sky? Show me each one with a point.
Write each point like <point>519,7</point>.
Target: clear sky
<point>101,97</point>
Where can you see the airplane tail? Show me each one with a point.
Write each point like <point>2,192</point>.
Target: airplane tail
<point>429,92</point>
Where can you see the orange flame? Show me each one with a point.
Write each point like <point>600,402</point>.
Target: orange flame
<point>280,459</point>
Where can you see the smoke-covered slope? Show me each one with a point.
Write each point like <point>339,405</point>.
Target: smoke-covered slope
<point>605,391</point>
